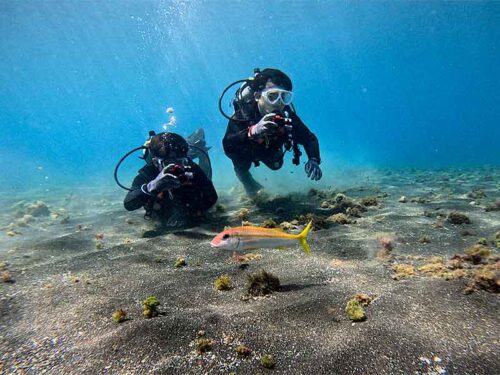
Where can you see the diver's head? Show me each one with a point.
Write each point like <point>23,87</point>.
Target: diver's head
<point>168,148</point>
<point>274,91</point>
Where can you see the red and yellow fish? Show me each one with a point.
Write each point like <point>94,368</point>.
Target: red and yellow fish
<point>245,238</point>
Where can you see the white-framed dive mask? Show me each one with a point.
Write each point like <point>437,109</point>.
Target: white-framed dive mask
<point>272,96</point>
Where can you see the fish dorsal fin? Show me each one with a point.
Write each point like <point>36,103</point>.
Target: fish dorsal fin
<point>226,227</point>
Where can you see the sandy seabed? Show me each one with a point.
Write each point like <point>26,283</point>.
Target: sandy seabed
<point>70,261</point>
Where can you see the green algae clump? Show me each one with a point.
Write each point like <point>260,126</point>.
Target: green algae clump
<point>485,278</point>
<point>7,277</point>
<point>243,351</point>
<point>245,258</point>
<point>480,266</point>
<point>340,218</point>
<point>119,316</point>
<point>454,274</point>
<point>478,250</point>
<point>458,218</point>
<point>482,241</point>
<point>478,254</point>
<point>267,361</point>
<point>263,283</point>
<point>488,278</point>
<point>285,225</point>
<point>424,239</point>
<point>180,262</point>
<point>354,308</point>
<point>435,259</point>
<point>269,223</point>
<point>223,283</point>
<point>433,269</point>
<point>353,211</point>
<point>355,311</point>
<point>369,201</point>
<point>403,271</point>
<point>341,203</point>
<point>149,307</point>
<point>203,345</point>
<point>318,222</point>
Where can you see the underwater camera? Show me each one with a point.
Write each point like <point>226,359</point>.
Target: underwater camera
<point>284,123</point>
<point>183,173</point>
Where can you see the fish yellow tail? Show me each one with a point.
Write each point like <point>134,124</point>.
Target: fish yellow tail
<point>302,237</point>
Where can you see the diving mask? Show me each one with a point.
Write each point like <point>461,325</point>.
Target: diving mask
<point>272,96</point>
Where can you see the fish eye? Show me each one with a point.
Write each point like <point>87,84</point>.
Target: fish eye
<point>225,237</point>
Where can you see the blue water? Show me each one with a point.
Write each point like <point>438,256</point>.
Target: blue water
<point>382,84</point>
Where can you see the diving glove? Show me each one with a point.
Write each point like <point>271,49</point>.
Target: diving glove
<point>164,181</point>
<point>264,126</point>
<point>313,170</point>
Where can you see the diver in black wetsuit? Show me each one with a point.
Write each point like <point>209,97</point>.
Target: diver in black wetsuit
<point>264,126</point>
<point>171,187</point>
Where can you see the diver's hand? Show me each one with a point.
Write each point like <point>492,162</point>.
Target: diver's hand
<point>313,170</point>
<point>163,181</point>
<point>264,126</point>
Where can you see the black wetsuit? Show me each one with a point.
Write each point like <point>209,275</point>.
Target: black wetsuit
<point>189,200</point>
<point>243,151</point>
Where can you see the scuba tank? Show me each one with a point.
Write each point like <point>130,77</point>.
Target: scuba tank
<point>244,100</point>
<point>244,96</point>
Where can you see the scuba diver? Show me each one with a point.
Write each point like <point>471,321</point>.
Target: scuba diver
<point>264,126</point>
<point>171,187</point>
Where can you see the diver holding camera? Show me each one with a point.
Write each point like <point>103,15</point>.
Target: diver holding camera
<point>265,126</point>
<point>170,187</point>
